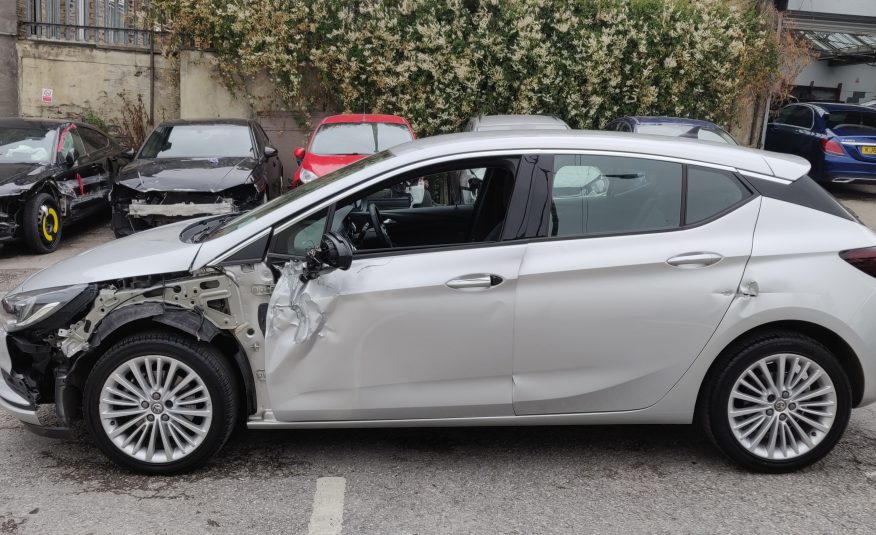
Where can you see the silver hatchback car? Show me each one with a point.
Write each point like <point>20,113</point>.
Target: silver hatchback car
<point>581,278</point>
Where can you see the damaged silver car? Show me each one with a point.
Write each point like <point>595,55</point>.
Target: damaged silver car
<point>583,278</point>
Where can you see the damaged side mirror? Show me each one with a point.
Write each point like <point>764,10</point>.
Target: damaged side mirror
<point>333,252</point>
<point>129,154</point>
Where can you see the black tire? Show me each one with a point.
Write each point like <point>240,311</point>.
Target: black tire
<point>41,224</point>
<point>713,409</point>
<point>204,359</point>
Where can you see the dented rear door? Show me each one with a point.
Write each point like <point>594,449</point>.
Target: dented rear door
<point>416,335</point>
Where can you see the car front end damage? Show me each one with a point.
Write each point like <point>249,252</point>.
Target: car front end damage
<point>50,339</point>
<point>134,210</point>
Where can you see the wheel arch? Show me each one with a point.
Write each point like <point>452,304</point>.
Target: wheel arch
<point>147,316</point>
<point>847,357</point>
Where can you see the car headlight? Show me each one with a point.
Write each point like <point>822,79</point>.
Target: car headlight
<point>21,310</point>
<point>307,176</point>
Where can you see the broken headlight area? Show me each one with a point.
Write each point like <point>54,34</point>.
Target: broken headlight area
<point>135,211</point>
<point>36,369</point>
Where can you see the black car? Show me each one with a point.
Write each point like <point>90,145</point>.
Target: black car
<point>191,168</point>
<point>51,173</point>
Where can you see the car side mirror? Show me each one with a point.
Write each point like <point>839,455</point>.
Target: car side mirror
<point>333,252</point>
<point>270,152</point>
<point>129,154</point>
<point>71,158</point>
<point>299,154</point>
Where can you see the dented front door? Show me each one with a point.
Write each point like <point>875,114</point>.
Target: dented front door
<point>425,335</point>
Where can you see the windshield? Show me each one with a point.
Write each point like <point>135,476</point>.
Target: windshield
<point>26,145</point>
<point>252,216</point>
<point>688,131</point>
<point>358,138</point>
<point>199,141</point>
<point>858,120</point>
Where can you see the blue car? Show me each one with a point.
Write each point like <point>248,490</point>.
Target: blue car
<point>672,126</point>
<point>839,140</point>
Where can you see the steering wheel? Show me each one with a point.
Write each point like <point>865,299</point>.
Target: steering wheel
<point>379,227</point>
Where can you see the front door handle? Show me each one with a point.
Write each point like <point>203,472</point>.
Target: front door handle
<point>694,260</point>
<point>474,282</point>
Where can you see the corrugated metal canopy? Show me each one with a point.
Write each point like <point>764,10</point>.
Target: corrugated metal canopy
<point>837,38</point>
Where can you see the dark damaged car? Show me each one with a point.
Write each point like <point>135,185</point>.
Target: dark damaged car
<point>193,168</point>
<point>52,173</point>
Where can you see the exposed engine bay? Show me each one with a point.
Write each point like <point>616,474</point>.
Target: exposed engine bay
<point>225,306</point>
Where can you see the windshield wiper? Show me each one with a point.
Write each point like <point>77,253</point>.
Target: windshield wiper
<point>210,226</point>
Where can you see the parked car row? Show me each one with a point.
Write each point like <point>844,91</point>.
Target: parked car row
<point>55,172</point>
<point>838,140</point>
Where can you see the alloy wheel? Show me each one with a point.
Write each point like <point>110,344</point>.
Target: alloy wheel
<point>782,406</point>
<point>155,409</point>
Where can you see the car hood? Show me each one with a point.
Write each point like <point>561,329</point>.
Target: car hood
<point>15,177</point>
<point>150,252</point>
<point>186,174</point>
<point>323,164</point>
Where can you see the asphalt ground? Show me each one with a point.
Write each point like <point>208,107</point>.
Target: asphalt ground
<point>634,479</point>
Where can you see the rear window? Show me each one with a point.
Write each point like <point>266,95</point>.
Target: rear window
<point>857,120</point>
<point>199,141</point>
<point>687,131</point>
<point>358,138</point>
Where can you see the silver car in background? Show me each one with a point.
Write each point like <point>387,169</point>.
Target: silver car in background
<point>591,278</point>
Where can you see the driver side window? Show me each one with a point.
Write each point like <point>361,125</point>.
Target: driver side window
<point>71,144</point>
<point>449,206</point>
<point>437,206</point>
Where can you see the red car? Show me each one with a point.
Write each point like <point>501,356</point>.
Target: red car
<point>340,140</point>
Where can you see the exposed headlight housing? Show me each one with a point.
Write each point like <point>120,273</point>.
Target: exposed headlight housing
<point>307,176</point>
<point>24,309</point>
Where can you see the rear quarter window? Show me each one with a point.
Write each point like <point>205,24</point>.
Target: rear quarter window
<point>710,192</point>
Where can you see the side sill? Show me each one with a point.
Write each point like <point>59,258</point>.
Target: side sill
<point>640,416</point>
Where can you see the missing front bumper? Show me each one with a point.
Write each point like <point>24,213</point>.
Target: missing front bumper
<point>142,209</point>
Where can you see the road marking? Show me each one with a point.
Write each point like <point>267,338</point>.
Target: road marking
<point>327,517</point>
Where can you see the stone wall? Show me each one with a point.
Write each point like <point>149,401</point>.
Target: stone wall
<point>90,78</point>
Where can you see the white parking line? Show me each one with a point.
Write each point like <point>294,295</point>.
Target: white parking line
<point>327,517</point>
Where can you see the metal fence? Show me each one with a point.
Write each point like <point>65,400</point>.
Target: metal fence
<point>103,22</point>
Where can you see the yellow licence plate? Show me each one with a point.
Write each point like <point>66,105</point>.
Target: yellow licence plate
<point>868,150</point>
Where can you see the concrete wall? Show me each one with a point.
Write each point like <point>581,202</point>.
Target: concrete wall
<point>8,61</point>
<point>857,80</point>
<point>87,77</point>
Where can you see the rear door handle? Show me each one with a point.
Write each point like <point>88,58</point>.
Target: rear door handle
<point>694,260</point>
<point>474,282</point>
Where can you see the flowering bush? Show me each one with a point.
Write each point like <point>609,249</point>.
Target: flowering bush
<point>438,62</point>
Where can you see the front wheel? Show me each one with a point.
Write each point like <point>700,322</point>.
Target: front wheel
<point>41,224</point>
<point>160,403</point>
<point>781,402</point>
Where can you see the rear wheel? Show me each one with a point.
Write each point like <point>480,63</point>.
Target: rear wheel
<point>160,403</point>
<point>781,402</point>
<point>41,224</point>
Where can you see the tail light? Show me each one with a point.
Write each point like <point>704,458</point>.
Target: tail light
<point>832,146</point>
<point>863,259</point>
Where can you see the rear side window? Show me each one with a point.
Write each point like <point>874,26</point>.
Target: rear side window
<point>710,192</point>
<point>94,141</point>
<point>796,116</point>
<point>613,194</point>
